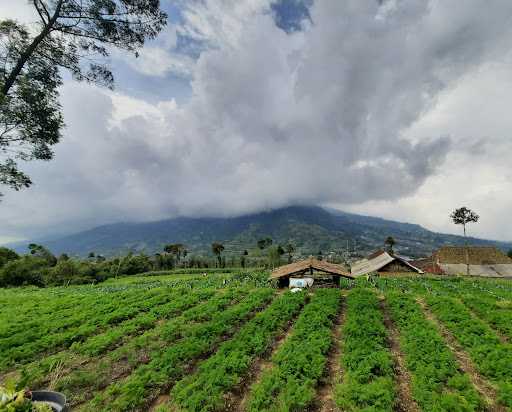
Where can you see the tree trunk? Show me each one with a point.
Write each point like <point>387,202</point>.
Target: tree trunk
<point>466,251</point>
<point>30,50</point>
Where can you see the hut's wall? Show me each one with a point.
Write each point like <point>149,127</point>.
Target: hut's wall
<point>395,266</point>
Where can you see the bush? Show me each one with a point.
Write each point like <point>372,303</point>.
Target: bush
<point>25,271</point>
<point>7,255</point>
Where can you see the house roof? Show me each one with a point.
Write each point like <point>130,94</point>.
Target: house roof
<point>376,261</point>
<point>308,264</point>
<point>478,255</point>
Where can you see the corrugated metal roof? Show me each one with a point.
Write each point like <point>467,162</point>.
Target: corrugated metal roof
<point>378,261</point>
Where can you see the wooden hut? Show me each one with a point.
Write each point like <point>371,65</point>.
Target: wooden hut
<point>324,273</point>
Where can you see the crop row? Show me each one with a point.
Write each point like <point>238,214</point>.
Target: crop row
<point>25,347</point>
<point>98,344</point>
<point>495,312</point>
<point>437,384</point>
<point>168,364</point>
<point>79,376</point>
<point>492,358</point>
<point>300,362</point>
<point>204,390</point>
<point>366,359</point>
<point>70,310</point>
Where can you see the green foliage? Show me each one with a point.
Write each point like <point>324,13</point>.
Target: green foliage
<point>6,255</point>
<point>204,390</point>
<point>437,383</point>
<point>70,35</point>
<point>217,249</point>
<point>492,358</point>
<point>274,257</point>
<point>264,243</point>
<point>43,253</point>
<point>170,364</point>
<point>366,360</point>
<point>300,362</point>
<point>27,270</point>
<point>12,400</point>
<point>509,253</point>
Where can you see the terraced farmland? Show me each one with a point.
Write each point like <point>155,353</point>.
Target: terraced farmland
<point>232,343</point>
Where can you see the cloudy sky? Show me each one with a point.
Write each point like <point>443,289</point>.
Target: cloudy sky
<point>398,109</point>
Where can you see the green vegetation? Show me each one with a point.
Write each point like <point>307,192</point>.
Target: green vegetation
<point>171,363</point>
<point>300,362</point>
<point>492,358</point>
<point>366,360</point>
<point>12,400</point>
<point>204,390</point>
<point>207,340</point>
<point>437,384</point>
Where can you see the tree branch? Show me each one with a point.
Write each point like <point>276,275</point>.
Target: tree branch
<point>30,50</point>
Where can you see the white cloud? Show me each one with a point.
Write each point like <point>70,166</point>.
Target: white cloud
<point>377,110</point>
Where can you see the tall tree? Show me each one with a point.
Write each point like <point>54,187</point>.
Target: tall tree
<point>509,253</point>
<point>390,242</point>
<point>217,249</point>
<point>289,250</point>
<point>176,249</point>
<point>264,243</point>
<point>463,216</point>
<point>75,35</point>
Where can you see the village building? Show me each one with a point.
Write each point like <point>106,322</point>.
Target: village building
<point>310,271</point>
<point>486,261</point>
<point>382,262</point>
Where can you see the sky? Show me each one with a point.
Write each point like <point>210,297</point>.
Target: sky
<point>392,108</point>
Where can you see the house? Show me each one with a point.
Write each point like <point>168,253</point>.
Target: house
<point>322,272</point>
<point>487,261</point>
<point>382,262</point>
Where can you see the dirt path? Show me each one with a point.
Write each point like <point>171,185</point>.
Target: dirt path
<point>405,401</point>
<point>484,387</point>
<point>325,399</point>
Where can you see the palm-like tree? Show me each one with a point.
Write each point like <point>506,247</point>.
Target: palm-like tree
<point>217,249</point>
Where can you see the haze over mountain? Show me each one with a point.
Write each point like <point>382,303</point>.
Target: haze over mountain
<point>309,228</point>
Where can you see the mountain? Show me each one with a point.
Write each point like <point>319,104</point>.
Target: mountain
<point>311,229</point>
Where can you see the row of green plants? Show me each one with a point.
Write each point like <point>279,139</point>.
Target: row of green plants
<point>147,318</point>
<point>366,360</point>
<point>66,330</point>
<point>168,364</point>
<point>300,362</point>
<point>70,310</point>
<point>497,313</point>
<point>79,376</point>
<point>204,390</point>
<point>437,383</point>
<point>492,358</point>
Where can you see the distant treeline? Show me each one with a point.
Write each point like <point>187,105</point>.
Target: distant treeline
<point>41,268</point>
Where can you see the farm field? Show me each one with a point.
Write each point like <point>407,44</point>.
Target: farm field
<point>231,342</point>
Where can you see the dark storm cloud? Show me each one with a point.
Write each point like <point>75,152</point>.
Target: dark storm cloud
<point>325,114</point>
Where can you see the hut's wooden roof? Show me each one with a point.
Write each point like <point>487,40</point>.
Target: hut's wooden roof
<point>311,263</point>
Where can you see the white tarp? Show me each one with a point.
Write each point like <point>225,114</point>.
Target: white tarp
<point>301,282</point>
